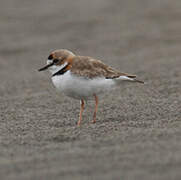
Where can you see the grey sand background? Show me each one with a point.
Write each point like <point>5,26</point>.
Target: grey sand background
<point>138,130</point>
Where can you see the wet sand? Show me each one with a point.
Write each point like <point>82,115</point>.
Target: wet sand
<point>138,130</point>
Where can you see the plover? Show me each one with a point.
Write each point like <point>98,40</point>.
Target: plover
<point>83,77</point>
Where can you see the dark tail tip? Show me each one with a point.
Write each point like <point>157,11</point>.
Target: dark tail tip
<point>139,81</point>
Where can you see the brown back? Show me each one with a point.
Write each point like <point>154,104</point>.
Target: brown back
<point>92,68</point>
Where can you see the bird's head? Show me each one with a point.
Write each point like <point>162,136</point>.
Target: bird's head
<point>57,60</point>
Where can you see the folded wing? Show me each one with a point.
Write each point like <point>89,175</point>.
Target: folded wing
<point>93,68</point>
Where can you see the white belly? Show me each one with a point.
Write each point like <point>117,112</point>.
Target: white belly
<point>81,88</point>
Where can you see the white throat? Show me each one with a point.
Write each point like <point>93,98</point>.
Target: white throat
<point>54,69</point>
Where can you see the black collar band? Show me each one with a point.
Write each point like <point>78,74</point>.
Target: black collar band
<point>61,71</point>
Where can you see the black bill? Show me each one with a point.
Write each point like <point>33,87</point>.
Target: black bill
<point>45,67</point>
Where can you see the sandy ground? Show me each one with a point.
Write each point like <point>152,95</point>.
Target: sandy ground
<point>138,130</point>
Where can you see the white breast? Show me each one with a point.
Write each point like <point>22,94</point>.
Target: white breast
<point>81,88</point>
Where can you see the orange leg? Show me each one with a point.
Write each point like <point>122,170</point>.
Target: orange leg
<point>81,111</point>
<point>96,107</point>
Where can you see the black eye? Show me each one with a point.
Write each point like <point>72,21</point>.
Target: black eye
<point>50,57</point>
<point>55,61</point>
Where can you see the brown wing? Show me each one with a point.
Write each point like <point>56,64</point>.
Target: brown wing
<point>92,68</point>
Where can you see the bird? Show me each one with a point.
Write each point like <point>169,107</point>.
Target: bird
<point>83,77</point>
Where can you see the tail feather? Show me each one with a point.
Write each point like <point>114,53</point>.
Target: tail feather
<point>129,78</point>
<point>139,81</point>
